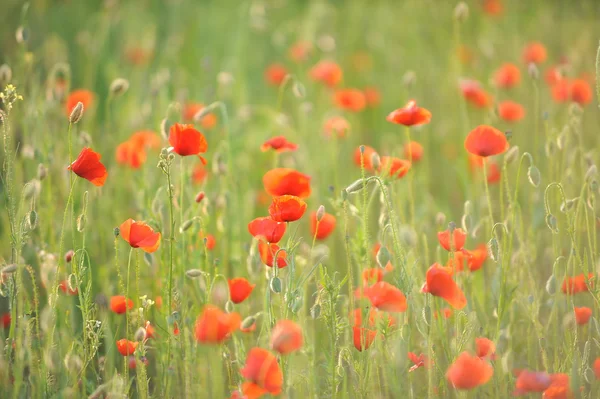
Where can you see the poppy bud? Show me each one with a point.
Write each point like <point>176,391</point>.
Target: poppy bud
<point>32,219</point>
<point>511,155</point>
<point>534,176</point>
<point>42,172</point>
<point>461,12</point>
<point>199,197</point>
<point>81,220</point>
<point>451,227</point>
<point>5,75</point>
<point>275,285</point>
<point>9,269</point>
<point>186,225</point>
<point>229,306</point>
<point>440,218</point>
<point>551,285</point>
<point>493,249</point>
<point>248,322</point>
<point>69,256</point>
<point>355,187</point>
<point>76,113</point>
<point>552,223</point>
<point>375,161</point>
<point>32,189</point>
<point>194,273</point>
<point>568,205</point>
<point>320,213</point>
<point>534,72</point>
<point>296,304</point>
<point>119,86</point>
<point>299,90</point>
<point>116,231</point>
<point>315,311</point>
<point>140,334</point>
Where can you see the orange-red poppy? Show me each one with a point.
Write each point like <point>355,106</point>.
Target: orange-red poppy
<point>120,304</point>
<point>286,337</point>
<point>327,72</point>
<point>446,313</point>
<point>493,173</point>
<point>150,331</point>
<point>419,361</point>
<point>582,315</point>
<point>410,115</point>
<point>485,141</point>
<point>352,100</point>
<point>186,140</point>
<point>336,125</point>
<point>200,173</point>
<point>64,287</point>
<point>581,92</point>
<point>535,53</point>
<point>511,111</point>
<point>239,289</point>
<point>476,257</point>
<point>262,373</point>
<point>372,96</point>
<point>83,96</point>
<point>285,181</point>
<point>386,297</point>
<point>372,275</point>
<point>493,7</point>
<point>366,157</point>
<point>214,326</point>
<point>531,381</point>
<point>140,235</point>
<point>287,208</point>
<point>577,284</point>
<point>88,166</point>
<point>561,91</point>
<point>468,372</point>
<point>374,315</point>
<point>323,228</point>
<point>275,74</point>
<point>5,320</point>
<point>458,239</point>
<point>146,139</point>
<point>597,368</point>
<point>279,144</point>
<point>129,153</point>
<point>209,240</point>
<point>553,75</point>
<point>439,283</point>
<point>560,387</point>
<point>363,337</point>
<point>300,51</point>
<point>485,348</point>
<point>126,347</point>
<point>267,253</point>
<point>267,228</point>
<point>475,94</point>
<point>190,110</point>
<point>137,55</point>
<point>507,76</point>
<point>394,167</point>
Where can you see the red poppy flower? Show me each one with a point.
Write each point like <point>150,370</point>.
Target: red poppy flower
<point>477,257</point>
<point>493,173</point>
<point>88,166</point>
<point>279,144</point>
<point>190,110</point>
<point>267,228</point>
<point>559,387</point>
<point>507,76</point>
<point>366,157</point>
<point>275,74</point>
<point>263,374</point>
<point>446,312</point>
<point>439,283</point>
<point>414,151</point>
<point>475,94</point>
<point>372,275</point>
<point>324,227</point>
<point>119,304</point>
<point>268,251</point>
<point>284,181</point>
<point>129,153</point>
<point>493,7</point>
<point>213,326</point>
<point>5,320</point>
<point>356,318</point>
<point>352,100</point>
<point>336,125</point>
<point>286,337</point>
<point>577,284</point>
<point>511,111</point>
<point>199,174</point>
<point>458,262</point>
<point>386,297</point>
<point>239,289</point>
<point>597,368</point>
<point>372,96</point>
<point>137,55</point>
<point>581,92</point>
<point>553,75</point>
<point>64,287</point>
<point>561,91</point>
<point>535,53</point>
<point>485,348</point>
<point>209,240</point>
<point>394,167</point>
<point>287,208</point>
<point>150,331</point>
<point>485,141</point>
<point>327,72</point>
<point>363,337</point>
<point>248,329</point>
<point>458,237</point>
<point>300,51</point>
<point>140,235</point>
<point>410,115</point>
<point>186,140</point>
<point>531,381</point>
<point>126,347</point>
<point>468,372</point>
<point>85,97</point>
<point>419,361</point>
<point>582,315</point>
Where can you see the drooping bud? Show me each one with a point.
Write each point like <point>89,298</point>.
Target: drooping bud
<point>357,186</point>
<point>383,257</point>
<point>76,113</point>
<point>552,223</point>
<point>248,322</point>
<point>118,86</point>
<point>69,256</point>
<point>512,155</point>
<point>185,226</point>
<point>275,285</point>
<point>299,90</point>
<point>551,285</point>
<point>494,249</point>
<point>375,161</point>
<point>81,221</point>
<point>194,273</point>
<point>534,176</point>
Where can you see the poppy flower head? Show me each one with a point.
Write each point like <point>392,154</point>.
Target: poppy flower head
<point>511,111</point>
<point>372,275</point>
<point>286,337</point>
<point>475,94</point>
<point>439,283</point>
<point>323,228</point>
<point>366,157</point>
<point>535,53</point>
<point>278,144</point>
<point>363,337</point>
<point>285,181</point>
<point>414,151</point>
<point>577,284</point>
<point>507,76</point>
<point>209,240</point>
<point>468,372</point>
<point>327,72</point>
<point>561,91</point>
<point>214,326</point>
<point>458,239</point>
<point>88,166</point>
<point>493,8</point>
<point>119,304</point>
<point>239,289</point>
<point>287,208</point>
<point>262,372</point>
<point>85,97</point>
<point>386,297</point>
<point>486,141</point>
<point>553,75</point>
<point>275,74</point>
<point>477,257</point>
<point>336,126</point>
<point>66,289</point>
<point>372,96</point>
<point>5,320</point>
<point>190,111</point>
<point>267,228</point>
<point>140,235</point>
<point>419,361</point>
<point>597,368</point>
<point>581,92</point>
<point>126,347</point>
<point>352,100</point>
<point>410,115</point>
<point>559,387</point>
<point>186,140</point>
<point>300,51</point>
<point>268,252</point>
<point>394,167</point>
<point>531,381</point>
<point>485,348</point>
<point>582,315</point>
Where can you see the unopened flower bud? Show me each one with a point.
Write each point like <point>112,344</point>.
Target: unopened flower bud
<point>534,72</point>
<point>119,86</point>
<point>511,155</point>
<point>76,113</point>
<point>355,187</point>
<point>275,285</point>
<point>69,256</point>
<point>199,197</point>
<point>320,213</point>
<point>461,11</point>
<point>194,273</point>
<point>248,322</point>
<point>534,176</point>
<point>9,269</point>
<point>375,160</point>
<point>185,226</point>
